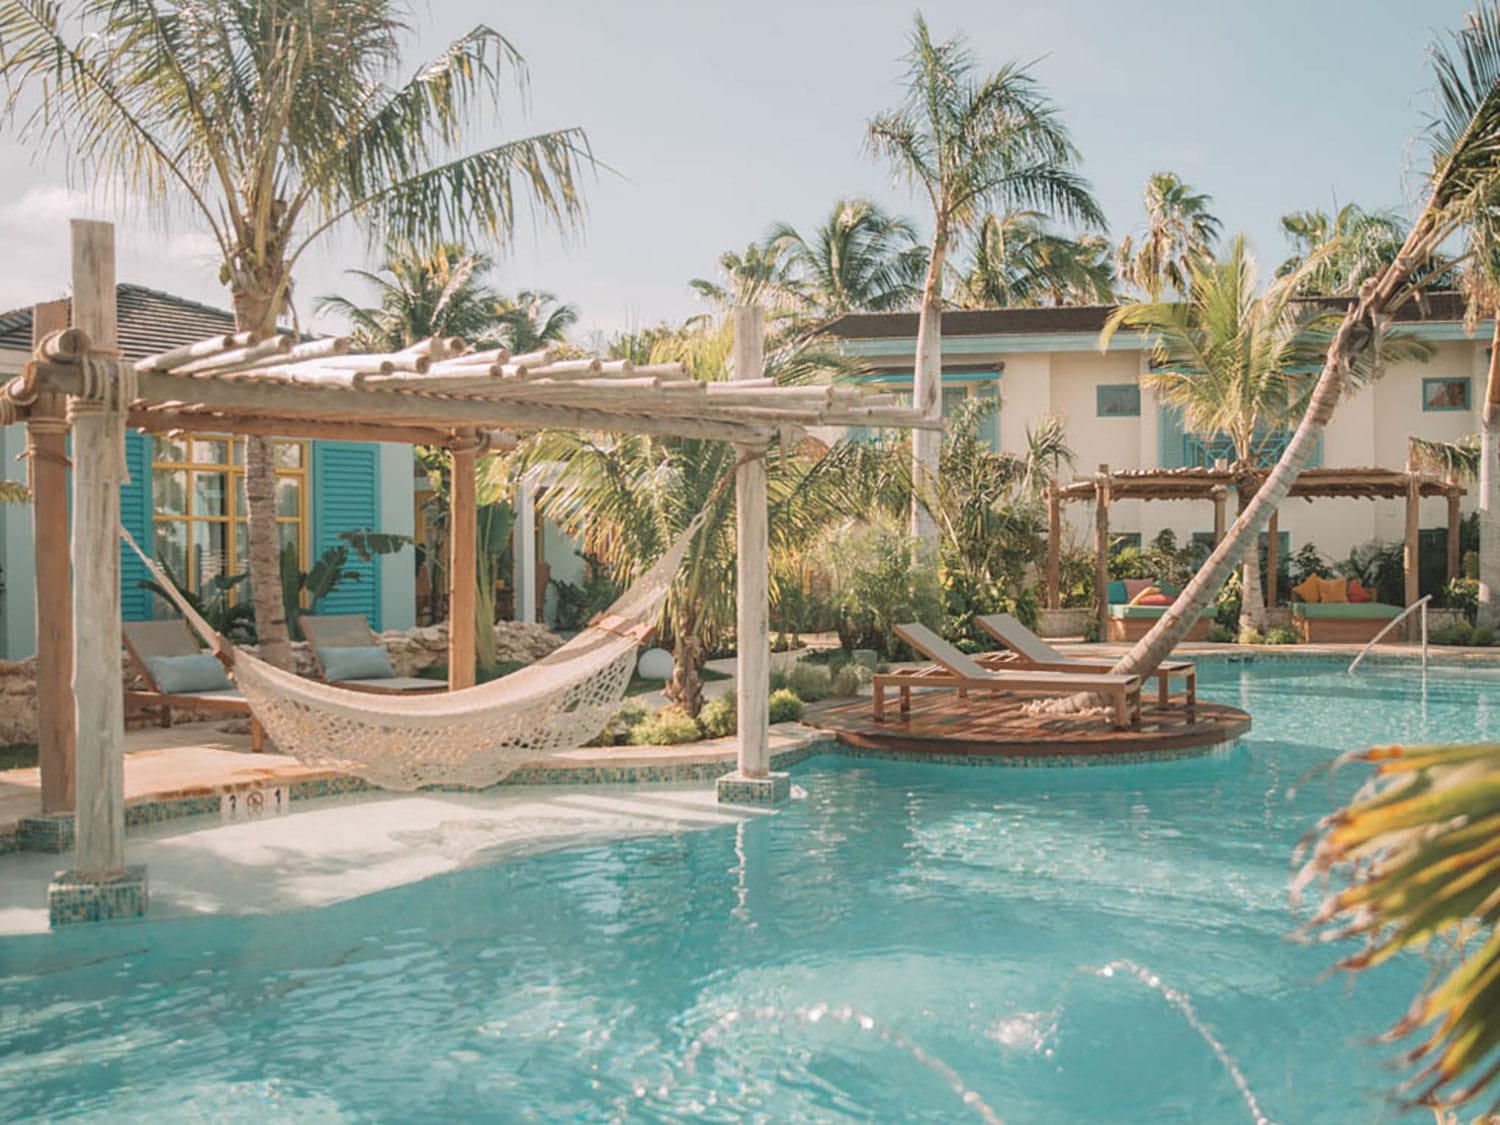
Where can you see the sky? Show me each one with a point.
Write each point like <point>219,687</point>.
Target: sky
<point>716,120</point>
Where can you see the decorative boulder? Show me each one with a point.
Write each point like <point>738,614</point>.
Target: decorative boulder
<point>656,664</point>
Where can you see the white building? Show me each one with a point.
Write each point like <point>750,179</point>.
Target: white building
<point>1048,361</point>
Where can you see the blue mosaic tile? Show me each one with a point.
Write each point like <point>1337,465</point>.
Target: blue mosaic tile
<point>757,792</point>
<point>72,900</point>
<point>53,834</point>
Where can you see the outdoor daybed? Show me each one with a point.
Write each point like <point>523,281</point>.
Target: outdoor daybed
<point>1338,611</point>
<point>1129,620</point>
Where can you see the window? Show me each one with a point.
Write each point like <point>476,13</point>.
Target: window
<point>1445,394</point>
<point>1118,400</point>
<point>198,504</point>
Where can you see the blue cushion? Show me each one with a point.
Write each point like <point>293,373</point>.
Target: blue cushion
<point>1115,592</point>
<point>355,662</point>
<point>180,675</point>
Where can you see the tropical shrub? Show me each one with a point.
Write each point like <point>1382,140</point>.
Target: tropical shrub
<point>1308,562</point>
<point>1462,593</point>
<point>1459,633</point>
<point>719,717</point>
<point>626,718</point>
<point>667,727</point>
<point>1251,636</point>
<point>810,682</point>
<point>1281,635</point>
<point>846,681</point>
<point>786,707</point>
<point>1220,634</point>
<point>884,585</point>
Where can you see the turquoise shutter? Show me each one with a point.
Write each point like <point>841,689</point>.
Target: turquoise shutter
<point>345,497</point>
<point>135,514</point>
<point>1170,451</point>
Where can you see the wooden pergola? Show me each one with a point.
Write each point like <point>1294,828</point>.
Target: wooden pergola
<point>1214,484</point>
<point>439,392</point>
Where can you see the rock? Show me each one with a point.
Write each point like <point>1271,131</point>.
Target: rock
<point>656,664</point>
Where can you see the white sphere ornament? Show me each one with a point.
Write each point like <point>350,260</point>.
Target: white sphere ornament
<point>656,664</point>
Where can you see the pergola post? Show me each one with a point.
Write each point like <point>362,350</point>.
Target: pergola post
<point>1221,505</point>
<point>1054,546</point>
<point>1273,559</point>
<point>1455,556</point>
<point>462,564</point>
<point>1101,548</point>
<point>47,440</point>
<point>752,783</point>
<point>1412,557</point>
<point>100,886</point>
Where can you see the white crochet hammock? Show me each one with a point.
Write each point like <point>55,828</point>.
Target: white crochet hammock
<point>471,738</point>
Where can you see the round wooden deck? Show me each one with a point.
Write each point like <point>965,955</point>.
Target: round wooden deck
<point>986,726</point>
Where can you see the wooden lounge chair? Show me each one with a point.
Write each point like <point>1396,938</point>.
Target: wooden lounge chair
<point>1030,651</point>
<point>956,671</point>
<point>145,639</point>
<point>351,630</point>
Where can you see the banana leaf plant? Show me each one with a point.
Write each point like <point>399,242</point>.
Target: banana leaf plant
<point>1417,853</point>
<point>304,589</point>
<point>216,602</point>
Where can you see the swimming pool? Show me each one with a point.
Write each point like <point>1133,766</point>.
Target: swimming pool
<point>907,942</point>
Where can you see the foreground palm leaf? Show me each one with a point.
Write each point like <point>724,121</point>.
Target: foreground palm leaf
<point>1421,847</point>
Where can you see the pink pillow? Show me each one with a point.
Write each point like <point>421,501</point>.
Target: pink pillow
<point>1157,599</point>
<point>1134,586</point>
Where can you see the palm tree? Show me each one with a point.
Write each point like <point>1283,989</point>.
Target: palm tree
<point>758,277</point>
<point>1234,361</point>
<point>1480,284</point>
<point>1464,141</point>
<point>1018,261</point>
<point>437,293</point>
<point>275,123</point>
<point>629,497</point>
<point>1363,242</point>
<point>533,319</point>
<point>1179,227</point>
<point>859,260</point>
<point>970,145</point>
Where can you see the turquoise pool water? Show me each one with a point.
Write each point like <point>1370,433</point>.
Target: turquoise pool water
<point>906,943</point>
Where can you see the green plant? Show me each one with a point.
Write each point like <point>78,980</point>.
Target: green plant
<point>1281,635</point>
<point>780,678</point>
<point>884,584</point>
<point>330,570</point>
<point>1221,634</point>
<point>1459,633</point>
<point>845,682</point>
<point>1251,636</point>
<point>1308,562</point>
<point>215,602</point>
<point>785,706</point>
<point>667,727</point>
<point>810,682</point>
<point>1462,593</point>
<point>719,717</point>
<point>1484,636</point>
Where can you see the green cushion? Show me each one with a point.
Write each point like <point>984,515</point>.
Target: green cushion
<point>355,662</point>
<point>183,675</point>
<point>1115,594</point>
<point>1168,588</point>
<point>1148,612</point>
<point>1345,611</point>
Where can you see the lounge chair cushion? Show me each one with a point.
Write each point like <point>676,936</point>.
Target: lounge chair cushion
<point>1148,612</point>
<point>1140,596</point>
<point>1309,590</point>
<point>1158,598</point>
<point>1115,593</point>
<point>193,672</point>
<point>355,662</point>
<point>1370,611</point>
<point>1333,591</point>
<point>1135,587</point>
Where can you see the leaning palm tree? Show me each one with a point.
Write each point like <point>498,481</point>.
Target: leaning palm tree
<point>970,144</point>
<point>273,124</point>
<point>1179,228</point>
<point>1480,284</point>
<point>1464,141</point>
<point>859,260</point>
<point>1363,241</point>
<point>441,292</point>
<point>1017,260</point>
<point>1233,360</point>
<point>532,319</point>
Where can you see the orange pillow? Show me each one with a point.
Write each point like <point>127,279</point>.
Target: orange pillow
<point>1143,593</point>
<point>1332,590</point>
<point>1308,591</point>
<point>1358,594</point>
<point>1155,599</point>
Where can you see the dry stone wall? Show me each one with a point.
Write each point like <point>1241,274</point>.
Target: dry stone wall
<point>411,652</point>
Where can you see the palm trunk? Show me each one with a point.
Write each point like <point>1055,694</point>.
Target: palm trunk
<point>255,313</point>
<point>1489,491</point>
<point>1252,597</point>
<point>927,397</point>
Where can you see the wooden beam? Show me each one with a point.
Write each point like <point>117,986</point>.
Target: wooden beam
<point>1054,546</point>
<point>753,607</point>
<point>47,436</point>
<point>1101,549</point>
<point>462,565</point>
<point>349,405</point>
<point>1455,556</point>
<point>1273,559</point>
<point>165,421</point>
<point>98,436</point>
